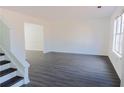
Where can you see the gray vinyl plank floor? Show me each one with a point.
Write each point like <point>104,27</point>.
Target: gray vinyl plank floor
<point>70,70</point>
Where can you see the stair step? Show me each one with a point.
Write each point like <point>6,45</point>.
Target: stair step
<point>7,71</point>
<point>11,81</point>
<point>2,54</point>
<point>4,62</point>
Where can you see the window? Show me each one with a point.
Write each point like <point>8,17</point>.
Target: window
<point>118,35</point>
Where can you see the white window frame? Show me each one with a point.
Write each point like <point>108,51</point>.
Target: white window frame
<point>118,32</point>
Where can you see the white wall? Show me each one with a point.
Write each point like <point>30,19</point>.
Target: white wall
<point>116,61</point>
<point>5,38</point>
<point>16,21</point>
<point>86,37</point>
<point>0,32</point>
<point>33,37</point>
<point>122,78</point>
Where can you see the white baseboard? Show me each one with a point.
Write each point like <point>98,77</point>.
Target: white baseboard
<point>102,54</point>
<point>45,51</point>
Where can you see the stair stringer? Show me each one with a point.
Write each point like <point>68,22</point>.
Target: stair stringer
<point>22,69</point>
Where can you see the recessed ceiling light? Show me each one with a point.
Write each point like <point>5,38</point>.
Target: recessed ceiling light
<point>99,7</point>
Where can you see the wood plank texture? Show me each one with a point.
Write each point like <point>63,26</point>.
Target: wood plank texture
<point>70,70</point>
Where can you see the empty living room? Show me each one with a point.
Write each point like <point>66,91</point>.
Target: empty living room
<point>61,46</point>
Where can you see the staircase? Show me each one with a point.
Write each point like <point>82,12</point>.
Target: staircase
<point>9,74</point>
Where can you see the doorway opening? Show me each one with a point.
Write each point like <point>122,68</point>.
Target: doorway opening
<point>33,37</point>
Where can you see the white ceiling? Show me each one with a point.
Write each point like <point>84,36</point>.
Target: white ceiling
<point>64,12</point>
